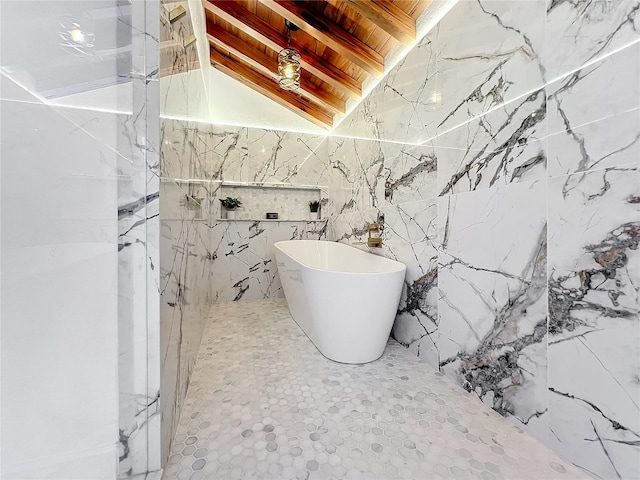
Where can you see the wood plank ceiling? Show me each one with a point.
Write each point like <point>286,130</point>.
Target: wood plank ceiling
<point>342,43</point>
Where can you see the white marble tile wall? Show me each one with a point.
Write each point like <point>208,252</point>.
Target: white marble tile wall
<point>594,319</point>
<point>205,259</point>
<point>502,157</point>
<point>186,279</point>
<point>579,33</point>
<point>492,304</point>
<point>241,154</point>
<point>594,116</point>
<point>139,255</point>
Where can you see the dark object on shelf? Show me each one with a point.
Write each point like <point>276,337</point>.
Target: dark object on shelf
<point>314,206</point>
<point>272,216</point>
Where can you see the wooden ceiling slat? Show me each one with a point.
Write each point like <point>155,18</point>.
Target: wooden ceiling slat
<point>269,88</point>
<point>267,64</point>
<point>389,17</point>
<point>312,88</point>
<point>413,8</point>
<point>329,33</point>
<point>248,4</point>
<point>263,12</point>
<point>262,31</point>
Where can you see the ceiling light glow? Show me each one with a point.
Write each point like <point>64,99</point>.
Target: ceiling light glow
<point>77,37</point>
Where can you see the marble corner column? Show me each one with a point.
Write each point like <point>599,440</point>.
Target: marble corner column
<point>138,265</point>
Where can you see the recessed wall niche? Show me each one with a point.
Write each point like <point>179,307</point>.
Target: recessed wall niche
<point>290,202</point>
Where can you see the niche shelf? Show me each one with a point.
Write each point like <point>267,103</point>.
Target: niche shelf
<point>290,202</point>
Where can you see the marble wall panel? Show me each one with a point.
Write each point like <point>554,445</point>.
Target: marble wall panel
<point>594,115</point>
<point>580,32</point>
<point>352,227</point>
<point>185,287</point>
<point>487,52</point>
<point>492,303</point>
<point>263,269</point>
<point>342,181</point>
<point>201,151</point>
<point>410,236</point>
<point>365,121</point>
<point>227,242</point>
<point>356,177</point>
<point>277,157</point>
<point>606,143</point>
<point>410,173</point>
<point>502,147</point>
<point>139,256</point>
<point>132,311</point>
<point>249,156</point>
<point>601,90</point>
<point>594,320</point>
<point>410,97</point>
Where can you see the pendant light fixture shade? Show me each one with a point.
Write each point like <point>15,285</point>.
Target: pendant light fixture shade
<point>289,63</point>
<point>289,69</point>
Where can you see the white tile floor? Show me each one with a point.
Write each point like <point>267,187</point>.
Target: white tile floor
<point>265,404</point>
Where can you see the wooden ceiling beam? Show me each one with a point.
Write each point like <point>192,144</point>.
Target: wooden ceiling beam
<point>268,65</point>
<point>251,24</point>
<point>389,17</point>
<point>270,88</point>
<point>329,33</point>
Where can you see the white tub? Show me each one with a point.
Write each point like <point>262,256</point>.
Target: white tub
<point>344,299</point>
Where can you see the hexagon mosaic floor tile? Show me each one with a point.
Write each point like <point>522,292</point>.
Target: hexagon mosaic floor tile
<point>263,403</point>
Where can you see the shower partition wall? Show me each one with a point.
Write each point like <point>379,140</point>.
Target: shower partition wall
<point>139,252</point>
<point>79,239</point>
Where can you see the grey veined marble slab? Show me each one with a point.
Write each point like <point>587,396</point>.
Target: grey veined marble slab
<point>264,403</point>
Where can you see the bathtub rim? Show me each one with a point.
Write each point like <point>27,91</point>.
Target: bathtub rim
<point>402,266</point>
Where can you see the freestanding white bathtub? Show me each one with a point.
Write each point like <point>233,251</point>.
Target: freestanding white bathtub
<point>344,299</point>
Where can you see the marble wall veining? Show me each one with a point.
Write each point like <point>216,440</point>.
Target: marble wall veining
<point>139,255</point>
<point>186,277</point>
<point>492,296</point>
<point>502,157</point>
<point>594,339</point>
<point>206,259</point>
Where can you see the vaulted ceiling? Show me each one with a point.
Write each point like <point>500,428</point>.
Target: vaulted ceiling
<point>342,44</point>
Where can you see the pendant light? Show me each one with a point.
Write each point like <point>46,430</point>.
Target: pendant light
<point>289,63</point>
